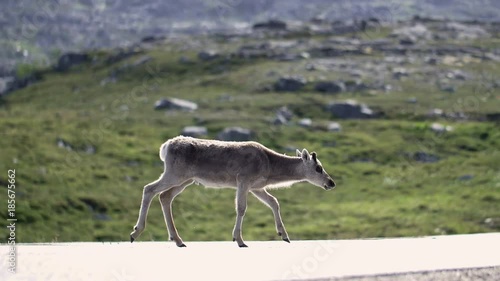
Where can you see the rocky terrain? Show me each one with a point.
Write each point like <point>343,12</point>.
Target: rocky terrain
<point>38,31</point>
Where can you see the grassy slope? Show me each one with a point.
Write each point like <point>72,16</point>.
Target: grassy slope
<point>63,195</point>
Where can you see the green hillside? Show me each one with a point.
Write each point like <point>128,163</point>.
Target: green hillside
<point>83,145</point>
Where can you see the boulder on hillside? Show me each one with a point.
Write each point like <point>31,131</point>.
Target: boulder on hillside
<point>334,127</point>
<point>235,134</point>
<point>350,109</point>
<point>68,60</point>
<point>175,103</point>
<point>305,122</point>
<point>194,131</point>
<point>208,55</point>
<point>271,25</point>
<point>331,87</point>
<point>6,84</point>
<point>290,84</point>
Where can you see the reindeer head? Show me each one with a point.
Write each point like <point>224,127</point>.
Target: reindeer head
<point>313,170</point>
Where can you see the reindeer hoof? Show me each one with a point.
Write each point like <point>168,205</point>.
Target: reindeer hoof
<point>243,246</point>
<point>286,240</point>
<point>131,239</point>
<point>182,245</point>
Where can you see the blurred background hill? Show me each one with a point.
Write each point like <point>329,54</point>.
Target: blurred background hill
<point>38,31</point>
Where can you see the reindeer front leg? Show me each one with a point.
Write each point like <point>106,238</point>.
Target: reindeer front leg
<point>273,204</point>
<point>241,207</point>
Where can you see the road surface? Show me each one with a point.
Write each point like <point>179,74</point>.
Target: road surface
<point>273,260</point>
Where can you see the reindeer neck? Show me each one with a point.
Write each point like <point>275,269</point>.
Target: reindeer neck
<point>284,169</point>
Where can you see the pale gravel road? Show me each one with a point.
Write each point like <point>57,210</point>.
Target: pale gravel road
<point>469,274</point>
<point>339,260</point>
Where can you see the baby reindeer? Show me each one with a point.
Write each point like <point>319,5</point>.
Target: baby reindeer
<point>246,166</point>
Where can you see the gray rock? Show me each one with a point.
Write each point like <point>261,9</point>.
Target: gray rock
<point>194,131</point>
<point>435,112</point>
<point>64,144</point>
<point>285,112</point>
<point>290,84</point>
<point>175,103</point>
<point>399,73</point>
<point>271,24</point>
<point>279,120</point>
<point>68,60</point>
<point>305,122</point>
<point>464,31</point>
<point>334,127</point>
<point>423,157</point>
<point>6,84</point>
<point>447,88</point>
<point>331,87</point>
<point>414,33</point>
<point>235,134</point>
<point>412,100</point>
<point>355,86</point>
<point>440,128</point>
<point>465,177</point>
<point>208,55</point>
<point>350,109</point>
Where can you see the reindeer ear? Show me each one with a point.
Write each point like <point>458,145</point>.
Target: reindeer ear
<point>299,154</point>
<point>313,154</point>
<point>305,154</point>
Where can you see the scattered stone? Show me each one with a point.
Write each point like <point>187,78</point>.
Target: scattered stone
<point>493,117</point>
<point>6,84</point>
<point>290,84</point>
<point>194,131</point>
<point>279,120</point>
<point>400,72</point>
<point>440,128</point>
<point>462,31</point>
<point>90,149</point>
<point>332,87</point>
<point>457,74</point>
<point>436,112</point>
<point>64,144</point>
<point>68,60</point>
<point>356,86</point>
<point>305,122</point>
<point>466,177</point>
<point>447,88</point>
<point>412,33</point>
<point>334,127</point>
<point>285,112</point>
<point>283,116</point>
<point>175,103</point>
<point>235,134</point>
<point>423,157</point>
<point>350,109</point>
<point>412,100</point>
<point>208,55</point>
<point>492,222</point>
<point>271,25</point>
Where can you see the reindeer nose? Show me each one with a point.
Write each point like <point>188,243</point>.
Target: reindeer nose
<point>331,183</point>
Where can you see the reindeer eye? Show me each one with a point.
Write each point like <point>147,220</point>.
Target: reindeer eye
<point>319,169</point>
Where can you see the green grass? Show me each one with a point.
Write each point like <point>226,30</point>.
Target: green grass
<point>71,195</point>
